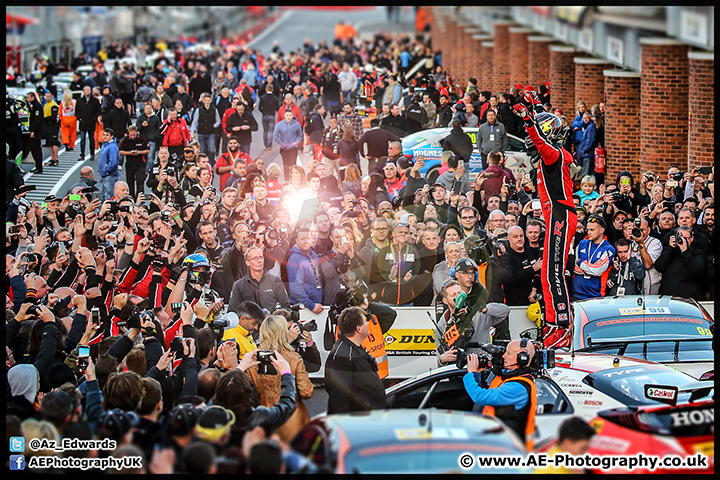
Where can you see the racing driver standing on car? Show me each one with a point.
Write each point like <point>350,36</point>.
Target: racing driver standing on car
<point>555,187</point>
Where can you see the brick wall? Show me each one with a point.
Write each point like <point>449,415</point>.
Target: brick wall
<point>488,66</point>
<point>469,55</point>
<point>562,77</point>
<point>539,59</point>
<point>518,57</point>
<point>701,102</point>
<point>477,66</point>
<point>501,54</point>
<point>622,122</point>
<point>664,103</point>
<point>589,80</point>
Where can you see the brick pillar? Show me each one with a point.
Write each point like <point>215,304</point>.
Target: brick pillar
<point>562,77</point>
<point>622,122</point>
<point>460,49</point>
<point>589,80</point>
<point>701,111</point>
<point>478,66</point>
<point>539,60</point>
<point>437,32</point>
<point>451,51</point>
<point>488,62</point>
<point>518,57</point>
<point>469,55</point>
<point>501,53</point>
<point>664,103</point>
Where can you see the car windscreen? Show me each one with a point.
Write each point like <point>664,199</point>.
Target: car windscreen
<point>428,457</point>
<point>626,384</point>
<point>410,141</point>
<point>617,328</point>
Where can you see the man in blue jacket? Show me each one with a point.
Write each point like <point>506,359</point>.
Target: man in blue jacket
<point>289,135</point>
<point>304,280</point>
<point>586,149</point>
<point>108,167</point>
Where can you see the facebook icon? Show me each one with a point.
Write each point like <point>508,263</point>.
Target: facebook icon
<point>17,462</point>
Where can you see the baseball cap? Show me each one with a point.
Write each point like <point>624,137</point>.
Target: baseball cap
<point>214,422</point>
<point>117,422</point>
<point>61,304</point>
<point>51,198</point>
<point>182,419</point>
<point>437,184</point>
<point>465,264</point>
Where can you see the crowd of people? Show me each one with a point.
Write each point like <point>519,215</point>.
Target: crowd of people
<point>181,288</point>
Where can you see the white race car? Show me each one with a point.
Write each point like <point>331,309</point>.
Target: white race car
<point>582,384</point>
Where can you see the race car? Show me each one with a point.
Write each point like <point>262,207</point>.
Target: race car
<point>575,386</point>
<point>670,330</point>
<point>427,143</point>
<point>405,441</point>
<point>668,429</point>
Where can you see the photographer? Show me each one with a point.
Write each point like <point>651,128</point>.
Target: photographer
<point>300,338</point>
<point>257,286</point>
<point>250,317</point>
<point>454,331</point>
<point>512,395</point>
<point>627,273</point>
<point>647,249</point>
<point>351,373</point>
<point>682,265</point>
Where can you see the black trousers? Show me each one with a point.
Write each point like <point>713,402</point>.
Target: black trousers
<point>289,158</point>
<point>33,146</point>
<point>135,177</point>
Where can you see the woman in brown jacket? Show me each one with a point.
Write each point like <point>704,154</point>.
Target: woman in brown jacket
<point>274,336</point>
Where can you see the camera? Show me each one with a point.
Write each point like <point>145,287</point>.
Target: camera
<point>617,196</point>
<point>175,307</point>
<point>176,346</point>
<point>266,367</point>
<point>125,208</point>
<point>170,170</point>
<point>114,208</point>
<point>492,356</point>
<point>636,232</point>
<point>32,310</point>
<point>353,296</point>
<point>165,215</point>
<point>679,239</point>
<point>310,326</point>
<point>83,356</point>
<point>677,176</point>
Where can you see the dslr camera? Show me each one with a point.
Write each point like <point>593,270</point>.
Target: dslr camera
<point>636,232</point>
<point>677,176</point>
<point>491,356</point>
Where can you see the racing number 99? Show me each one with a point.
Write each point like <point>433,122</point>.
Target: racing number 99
<point>704,331</point>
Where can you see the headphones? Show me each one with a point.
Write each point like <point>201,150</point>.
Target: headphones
<point>523,359</point>
<point>452,272</point>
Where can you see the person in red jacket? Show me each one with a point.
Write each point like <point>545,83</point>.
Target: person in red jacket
<point>288,103</point>
<point>226,162</point>
<point>176,134</point>
<point>555,188</point>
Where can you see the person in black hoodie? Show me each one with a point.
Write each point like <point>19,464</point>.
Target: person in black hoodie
<point>458,141</point>
<point>630,198</point>
<point>119,120</point>
<point>415,115</point>
<point>505,116</point>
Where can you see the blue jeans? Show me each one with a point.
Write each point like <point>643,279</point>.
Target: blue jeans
<point>588,165</point>
<point>152,156</point>
<point>207,145</point>
<point>90,134</point>
<point>107,184</point>
<point>268,122</point>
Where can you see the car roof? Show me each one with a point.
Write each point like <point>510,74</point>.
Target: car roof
<point>655,305</point>
<point>361,428</point>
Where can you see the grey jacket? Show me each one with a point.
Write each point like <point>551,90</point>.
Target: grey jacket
<point>498,134</point>
<point>496,313</point>
<point>269,292</point>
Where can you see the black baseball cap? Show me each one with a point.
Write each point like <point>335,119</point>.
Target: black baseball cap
<point>596,219</point>
<point>182,419</point>
<point>116,422</point>
<point>465,264</point>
